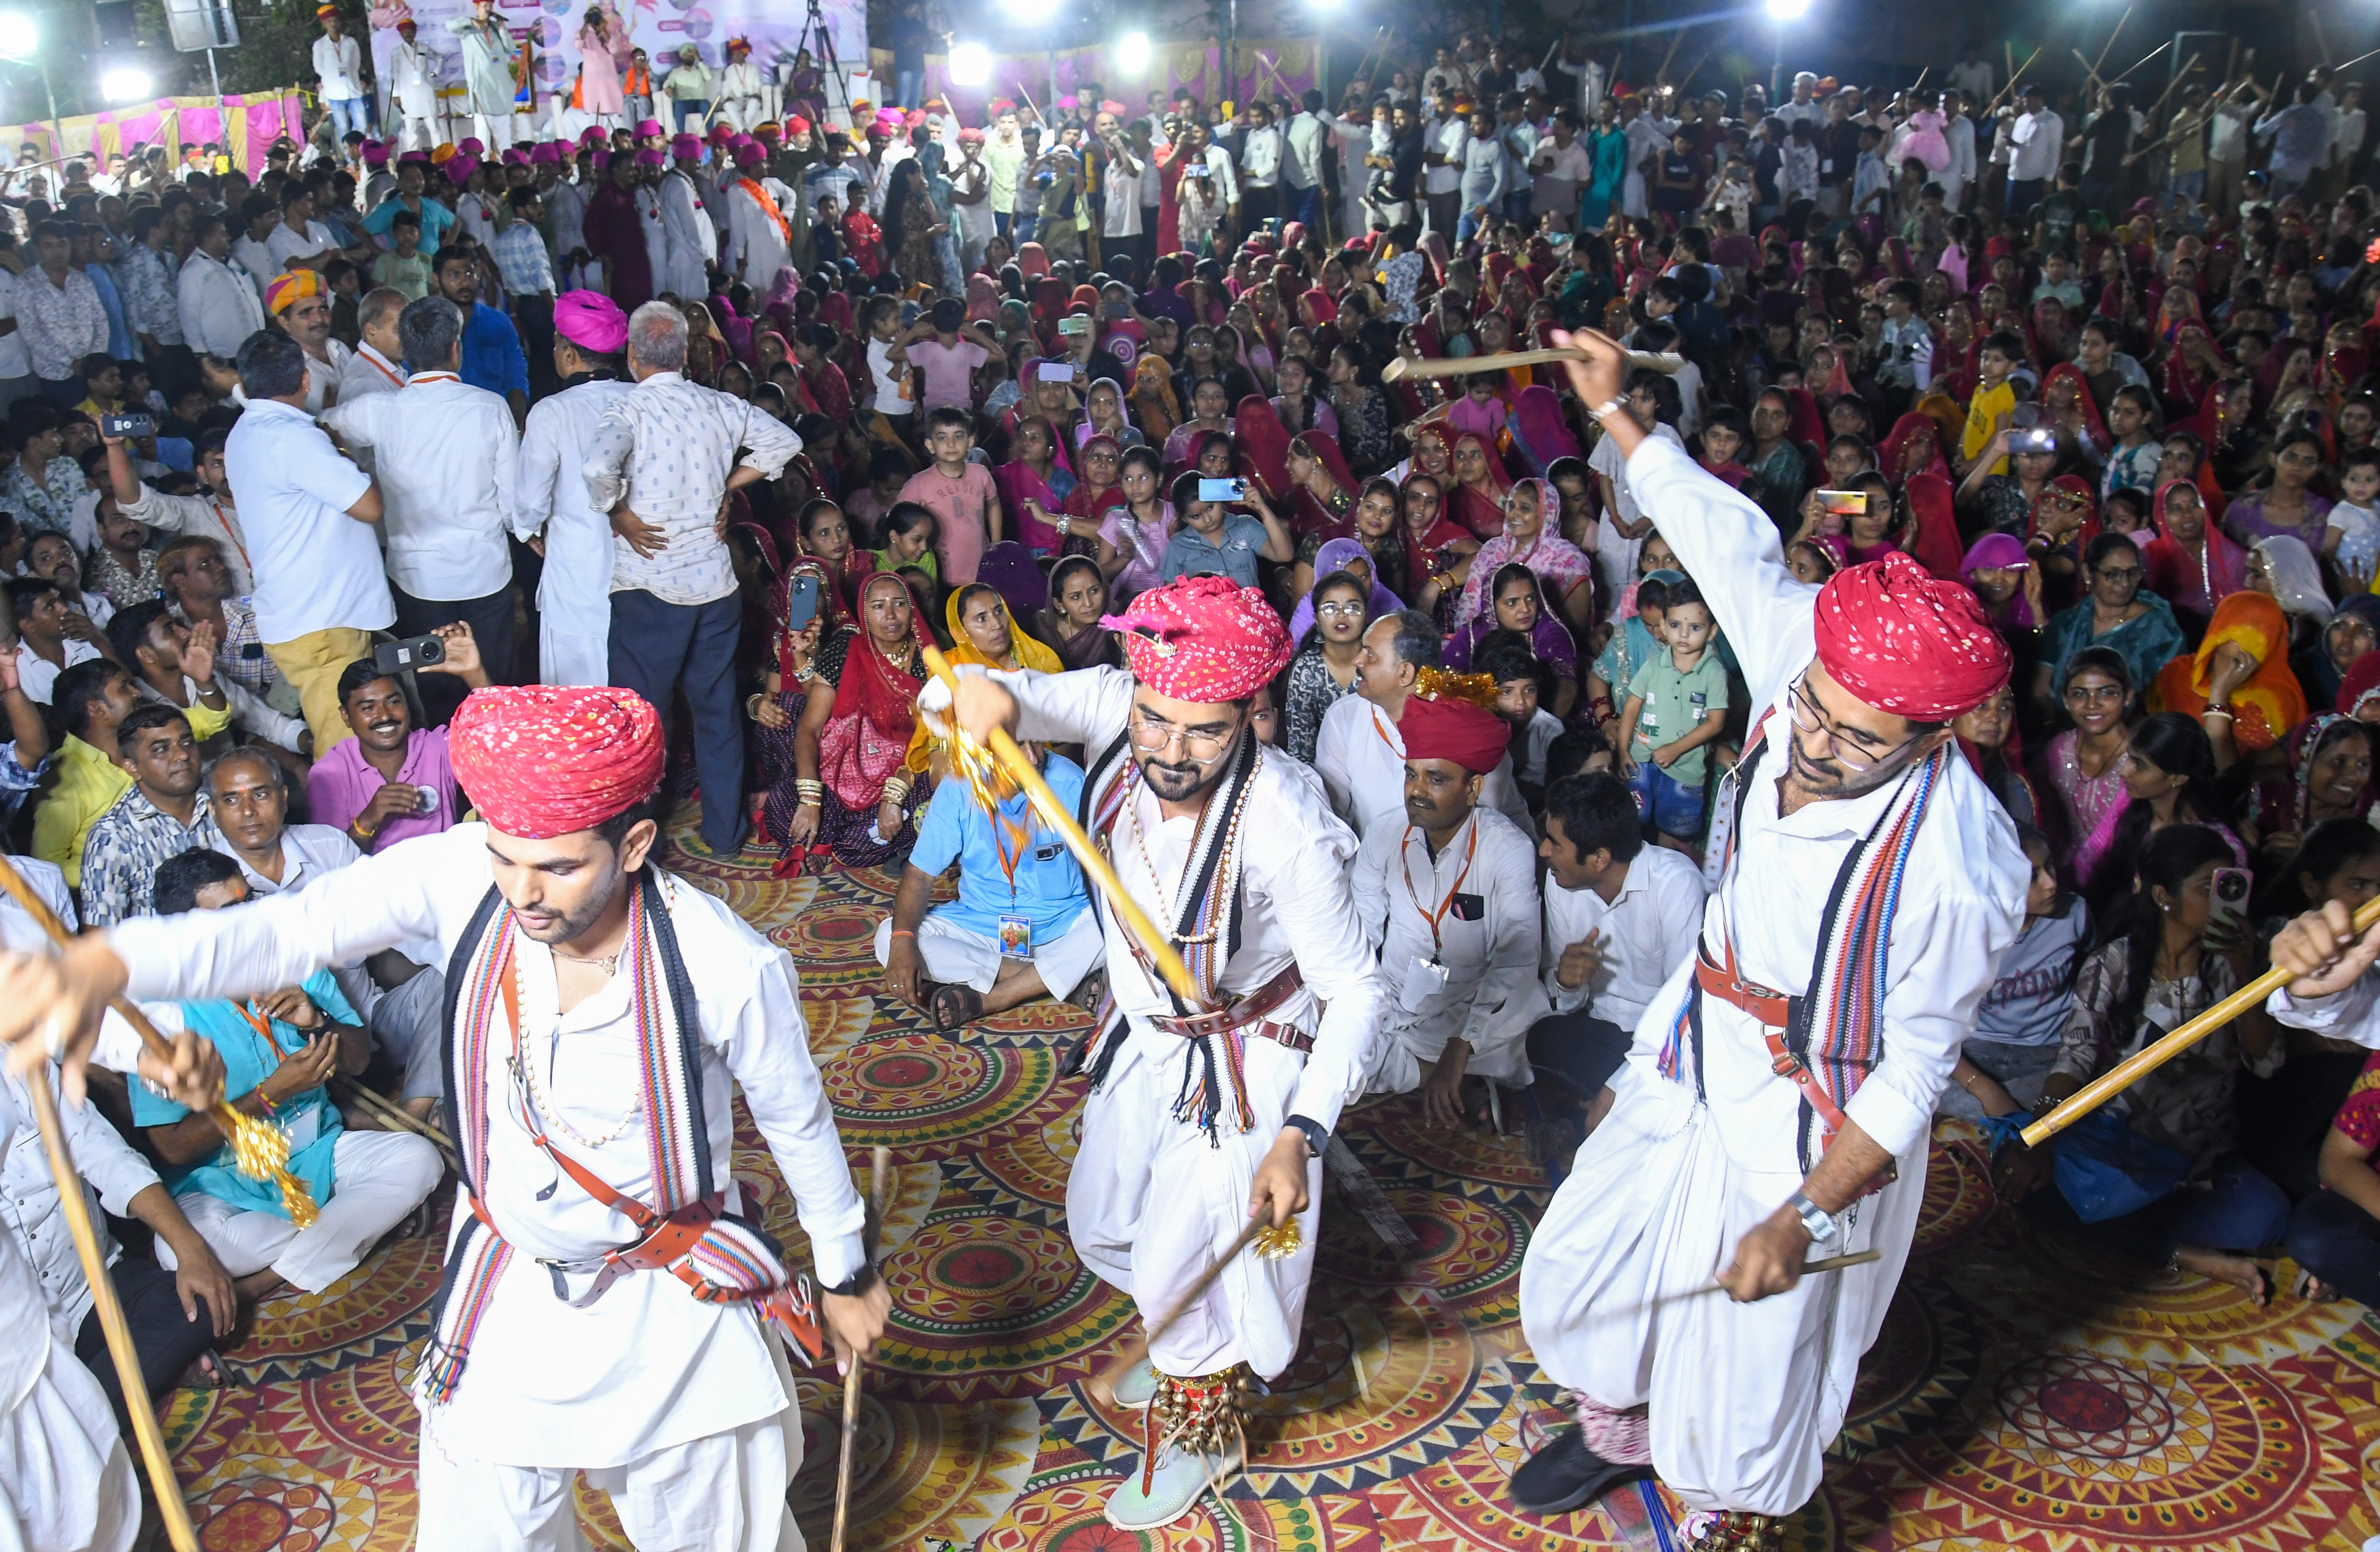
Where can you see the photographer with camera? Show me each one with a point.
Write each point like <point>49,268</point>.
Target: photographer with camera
<point>392,781</point>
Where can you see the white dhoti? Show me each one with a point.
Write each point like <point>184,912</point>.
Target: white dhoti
<point>378,1178</point>
<point>1133,1154</point>
<point>956,953</point>
<point>566,657</point>
<point>719,1493</point>
<point>1744,1399</point>
<point>66,1479</point>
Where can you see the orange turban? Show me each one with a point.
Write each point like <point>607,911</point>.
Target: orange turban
<point>285,290</point>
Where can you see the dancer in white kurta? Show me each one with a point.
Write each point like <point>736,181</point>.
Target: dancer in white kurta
<point>739,101</point>
<point>1753,1128</point>
<point>759,239</point>
<point>1450,899</point>
<point>1221,843</point>
<point>1360,755</point>
<point>489,90</point>
<point>604,1015</point>
<point>690,243</point>
<point>574,592</point>
<point>412,90</point>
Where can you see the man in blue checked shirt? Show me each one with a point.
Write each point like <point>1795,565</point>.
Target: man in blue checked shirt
<point>527,269</point>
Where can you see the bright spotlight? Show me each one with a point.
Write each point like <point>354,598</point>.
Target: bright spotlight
<point>19,34</point>
<point>970,65</point>
<point>1132,54</point>
<point>125,84</point>
<point>1032,13</point>
<point>1788,10</point>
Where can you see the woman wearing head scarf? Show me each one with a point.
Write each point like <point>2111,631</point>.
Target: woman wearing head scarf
<point>1348,555</point>
<point>776,710</point>
<point>856,791</point>
<point>2238,684</point>
<point>2191,563</point>
<point>1033,485</point>
<point>1262,443</point>
<point>2326,774</point>
<point>1103,415</point>
<point>1530,540</point>
<point>1439,550</point>
<point>2353,631</point>
<point>2284,570</point>
<point>2059,524</point>
<point>1517,608</point>
<point>1322,488</point>
<point>1078,598</point>
<point>2003,576</point>
<point>1153,404</point>
<point>1477,499</point>
<point>1541,433</point>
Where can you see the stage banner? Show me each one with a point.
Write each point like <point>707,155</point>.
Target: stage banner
<point>1268,66</point>
<point>244,126</point>
<point>658,27</point>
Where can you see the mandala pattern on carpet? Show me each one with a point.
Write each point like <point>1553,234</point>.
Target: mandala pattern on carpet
<point>2025,1395</point>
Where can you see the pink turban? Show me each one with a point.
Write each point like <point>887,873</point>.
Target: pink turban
<point>460,166</point>
<point>546,151</point>
<point>591,321</point>
<point>647,128</point>
<point>471,147</point>
<point>650,157</point>
<point>1903,642</point>
<point>685,147</point>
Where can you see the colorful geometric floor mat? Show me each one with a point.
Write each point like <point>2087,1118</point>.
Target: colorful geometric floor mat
<point>2019,1396</point>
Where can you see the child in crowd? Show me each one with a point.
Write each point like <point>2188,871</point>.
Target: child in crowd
<point>1525,686</point>
<point>823,231</point>
<point>2022,1019</point>
<point>2352,541</point>
<point>959,492</point>
<point>403,267</point>
<point>1995,396</point>
<point>1677,703</point>
<point>2132,461</point>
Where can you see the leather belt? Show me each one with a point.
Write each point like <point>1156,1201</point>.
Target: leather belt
<point>1246,1015</point>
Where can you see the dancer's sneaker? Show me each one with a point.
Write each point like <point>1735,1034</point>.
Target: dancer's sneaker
<point>1137,1385</point>
<point>1181,1477</point>
<point>1566,1474</point>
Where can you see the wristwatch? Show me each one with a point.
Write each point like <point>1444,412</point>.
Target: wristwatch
<point>1317,1136</point>
<point>854,1285</point>
<point>1815,1219</point>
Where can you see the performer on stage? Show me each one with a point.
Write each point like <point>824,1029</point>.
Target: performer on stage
<point>601,1014</point>
<point>1777,1101</point>
<point>1197,1125</point>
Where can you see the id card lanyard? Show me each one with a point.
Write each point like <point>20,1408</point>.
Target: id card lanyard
<point>1470,849</point>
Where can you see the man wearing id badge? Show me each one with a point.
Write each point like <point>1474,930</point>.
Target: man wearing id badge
<point>1450,897</point>
<point>1022,926</point>
<point>280,1051</point>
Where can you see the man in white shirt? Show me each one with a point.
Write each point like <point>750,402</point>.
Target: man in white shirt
<point>574,590</point>
<point>1449,901</point>
<point>757,234</point>
<point>412,94</point>
<point>665,457</point>
<point>1751,1115</point>
<point>299,240</point>
<point>1620,918</point>
<point>376,365</point>
<point>1972,73</point>
<point>689,238</point>
<point>300,298</point>
<point>339,62</point>
<point>209,513</point>
<point>2036,141</point>
<point>1804,103</point>
<point>683,1408</point>
<point>1260,156</point>
<point>1307,141</point>
<point>220,301</point>
<point>1445,139</point>
<point>446,455</point>
<point>307,515</point>
<point>1359,753</point>
<point>16,377</point>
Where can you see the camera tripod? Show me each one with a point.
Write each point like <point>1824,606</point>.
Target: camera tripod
<point>818,38</point>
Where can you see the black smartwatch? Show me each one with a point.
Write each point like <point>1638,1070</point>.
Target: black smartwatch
<point>853,1286</point>
<point>1317,1136</point>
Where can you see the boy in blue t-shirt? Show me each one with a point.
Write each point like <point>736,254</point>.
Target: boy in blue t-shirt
<point>1677,703</point>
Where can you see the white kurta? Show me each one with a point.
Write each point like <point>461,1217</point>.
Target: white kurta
<point>1746,1397</point>
<point>1150,1201</point>
<point>66,1479</point>
<point>656,234</point>
<point>1488,996</point>
<point>411,86</point>
<point>2352,1014</point>
<point>1647,930</point>
<point>647,1368</point>
<point>689,241</point>
<point>755,250</point>
<point>574,594</point>
<point>487,66</point>
<point>1360,755</point>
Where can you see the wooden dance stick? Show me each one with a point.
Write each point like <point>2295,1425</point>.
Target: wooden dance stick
<point>2352,62</point>
<point>880,1195</point>
<point>1824,1264</point>
<point>1054,813</point>
<point>2144,59</point>
<point>2141,1063</point>
<point>2015,77</point>
<point>394,1117</point>
<point>2111,39</point>
<point>258,1150</point>
<point>2083,60</point>
<point>111,1318</point>
<point>1466,366</point>
<point>1103,1385</point>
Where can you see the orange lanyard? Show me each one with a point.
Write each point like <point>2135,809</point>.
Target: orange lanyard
<point>263,1027</point>
<point>1470,850</point>
<point>232,533</point>
<point>1384,735</point>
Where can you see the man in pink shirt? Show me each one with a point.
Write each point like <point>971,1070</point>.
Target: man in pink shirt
<point>948,361</point>
<point>391,782</point>
<point>961,495</point>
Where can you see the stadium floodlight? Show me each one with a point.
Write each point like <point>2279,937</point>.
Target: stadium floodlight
<point>125,83</point>
<point>1788,10</point>
<point>20,35</point>
<point>1132,54</point>
<point>970,65</point>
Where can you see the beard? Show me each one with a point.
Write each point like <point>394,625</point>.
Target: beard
<point>579,919</point>
<point>1179,784</point>
<point>1827,778</point>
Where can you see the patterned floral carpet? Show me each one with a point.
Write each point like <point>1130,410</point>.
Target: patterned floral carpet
<point>2021,1396</point>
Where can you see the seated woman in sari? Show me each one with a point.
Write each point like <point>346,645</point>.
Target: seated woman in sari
<point>2237,683</point>
<point>775,710</point>
<point>1380,529</point>
<point>1528,540</point>
<point>2192,562</point>
<point>1210,412</point>
<point>1336,556</point>
<point>856,793</point>
<point>1262,443</point>
<point>2117,613</point>
<point>1078,597</point>
<point>826,541</point>
<point>1033,485</point>
<point>1519,609</point>
<point>1096,494</point>
<point>1439,551</point>
<point>1321,487</point>
<point>2326,774</point>
<point>1476,501</point>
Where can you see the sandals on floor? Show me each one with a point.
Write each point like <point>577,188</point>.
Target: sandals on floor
<point>953,1006</point>
<point>2312,1289</point>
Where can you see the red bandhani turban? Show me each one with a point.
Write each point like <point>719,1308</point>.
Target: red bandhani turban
<point>1905,643</point>
<point>1448,728</point>
<point>543,761</point>
<point>1202,638</point>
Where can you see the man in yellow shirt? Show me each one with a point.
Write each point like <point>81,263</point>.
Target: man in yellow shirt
<point>91,697</point>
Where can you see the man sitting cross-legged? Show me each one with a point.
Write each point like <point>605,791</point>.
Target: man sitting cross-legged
<point>279,1053</point>
<point>1449,899</point>
<point>1621,919</point>
<point>94,700</point>
<point>162,812</point>
<point>394,782</point>
<point>1022,926</point>
<point>400,1000</point>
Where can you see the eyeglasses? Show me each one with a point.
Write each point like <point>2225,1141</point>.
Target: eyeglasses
<point>1338,611</point>
<point>1152,737</point>
<point>1810,719</point>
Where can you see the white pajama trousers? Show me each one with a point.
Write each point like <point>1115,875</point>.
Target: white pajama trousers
<point>720,1493</point>
<point>1151,1202</point>
<point>65,1478</point>
<point>378,1177</point>
<point>960,955</point>
<point>1743,1399</point>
